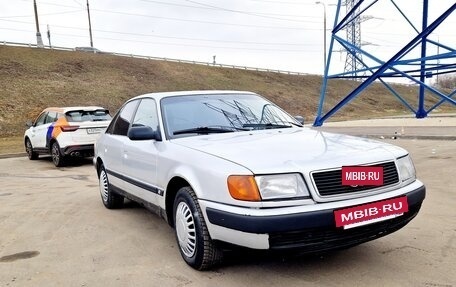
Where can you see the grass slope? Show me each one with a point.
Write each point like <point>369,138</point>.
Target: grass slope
<point>32,79</point>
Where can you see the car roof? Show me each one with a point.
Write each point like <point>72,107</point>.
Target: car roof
<point>87,48</point>
<point>159,96</point>
<point>75,108</point>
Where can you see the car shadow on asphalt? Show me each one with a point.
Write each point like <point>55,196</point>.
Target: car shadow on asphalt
<point>71,161</point>
<point>235,257</point>
<point>245,256</point>
<point>290,262</point>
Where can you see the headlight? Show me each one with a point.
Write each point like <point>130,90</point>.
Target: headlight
<point>281,186</point>
<point>406,168</point>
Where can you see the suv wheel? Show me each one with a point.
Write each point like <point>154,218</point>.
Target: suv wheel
<point>29,149</point>
<point>110,199</point>
<point>57,157</point>
<point>195,244</point>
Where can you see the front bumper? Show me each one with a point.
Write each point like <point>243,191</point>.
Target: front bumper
<point>311,231</point>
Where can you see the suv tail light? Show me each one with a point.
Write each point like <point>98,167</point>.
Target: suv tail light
<point>69,128</point>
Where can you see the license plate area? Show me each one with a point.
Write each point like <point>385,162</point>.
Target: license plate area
<point>94,130</point>
<point>371,212</point>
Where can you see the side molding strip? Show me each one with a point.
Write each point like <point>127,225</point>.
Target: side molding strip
<point>142,185</point>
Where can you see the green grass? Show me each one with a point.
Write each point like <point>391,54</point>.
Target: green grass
<point>33,79</point>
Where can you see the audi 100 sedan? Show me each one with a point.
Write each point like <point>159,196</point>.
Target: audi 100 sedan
<point>232,167</point>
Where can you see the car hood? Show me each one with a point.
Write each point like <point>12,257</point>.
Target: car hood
<point>291,149</point>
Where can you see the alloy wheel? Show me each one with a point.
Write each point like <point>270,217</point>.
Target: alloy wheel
<point>55,154</point>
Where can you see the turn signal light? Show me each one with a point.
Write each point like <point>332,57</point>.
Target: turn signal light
<point>243,187</point>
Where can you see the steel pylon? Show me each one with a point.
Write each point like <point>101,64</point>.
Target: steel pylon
<point>404,63</point>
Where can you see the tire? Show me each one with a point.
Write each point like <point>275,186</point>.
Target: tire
<point>111,200</point>
<point>195,245</point>
<point>29,149</point>
<point>57,157</point>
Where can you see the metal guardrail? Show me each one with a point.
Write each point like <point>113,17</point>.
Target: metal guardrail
<point>6,43</point>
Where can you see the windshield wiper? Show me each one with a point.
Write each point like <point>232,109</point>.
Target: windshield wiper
<point>296,124</point>
<point>266,126</point>
<point>207,130</point>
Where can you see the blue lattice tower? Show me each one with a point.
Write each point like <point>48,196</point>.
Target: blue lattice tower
<point>404,63</point>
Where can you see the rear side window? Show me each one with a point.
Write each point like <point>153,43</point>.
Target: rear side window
<point>87,116</point>
<point>51,117</point>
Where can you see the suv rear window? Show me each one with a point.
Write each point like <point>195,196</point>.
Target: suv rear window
<point>88,116</point>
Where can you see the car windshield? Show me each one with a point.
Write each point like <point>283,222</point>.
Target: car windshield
<point>88,116</point>
<point>220,113</point>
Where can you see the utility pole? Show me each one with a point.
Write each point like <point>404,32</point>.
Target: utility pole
<point>438,60</point>
<point>39,40</point>
<point>90,25</point>
<point>49,36</point>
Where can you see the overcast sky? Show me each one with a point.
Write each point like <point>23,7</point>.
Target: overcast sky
<point>276,34</point>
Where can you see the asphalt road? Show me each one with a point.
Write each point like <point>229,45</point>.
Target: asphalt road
<point>54,231</point>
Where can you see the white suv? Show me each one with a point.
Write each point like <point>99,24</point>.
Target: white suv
<point>231,167</point>
<point>64,132</point>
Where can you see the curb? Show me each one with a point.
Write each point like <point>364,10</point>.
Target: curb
<point>11,155</point>
<point>416,137</point>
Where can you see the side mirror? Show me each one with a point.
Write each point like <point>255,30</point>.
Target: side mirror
<point>29,124</point>
<point>299,119</point>
<point>142,133</point>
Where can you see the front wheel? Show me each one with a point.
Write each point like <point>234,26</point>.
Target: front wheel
<point>195,244</point>
<point>110,199</point>
<point>57,157</point>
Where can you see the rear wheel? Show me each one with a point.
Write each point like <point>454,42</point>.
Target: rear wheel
<point>195,244</point>
<point>110,199</point>
<point>57,157</point>
<point>29,149</point>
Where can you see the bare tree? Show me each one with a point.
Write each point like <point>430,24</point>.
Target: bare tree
<point>447,82</point>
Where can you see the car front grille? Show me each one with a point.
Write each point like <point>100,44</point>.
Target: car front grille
<point>330,182</point>
<point>323,239</point>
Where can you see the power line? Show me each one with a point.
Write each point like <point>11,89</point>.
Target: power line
<point>181,19</point>
<point>59,5</point>
<point>202,6</point>
<point>151,35</point>
<point>282,2</point>
<point>41,14</point>
<point>247,12</point>
<point>211,7</point>
<point>79,3</point>
<point>198,21</point>
<point>173,44</point>
<point>170,37</point>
